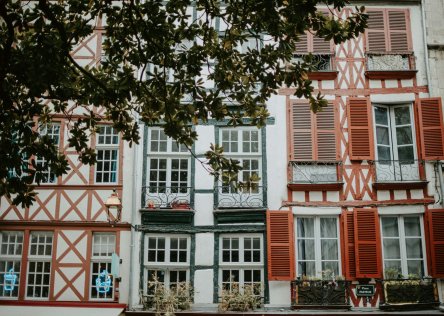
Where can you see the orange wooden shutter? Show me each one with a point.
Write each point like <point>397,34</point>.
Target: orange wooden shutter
<point>376,35</point>
<point>360,129</point>
<point>349,245</point>
<point>302,44</point>
<point>398,30</point>
<point>280,246</point>
<point>436,241</point>
<point>321,46</point>
<point>367,243</point>
<point>326,134</point>
<point>302,132</point>
<point>431,128</point>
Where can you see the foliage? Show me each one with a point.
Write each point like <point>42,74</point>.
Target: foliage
<point>240,299</point>
<point>166,301</point>
<point>145,42</point>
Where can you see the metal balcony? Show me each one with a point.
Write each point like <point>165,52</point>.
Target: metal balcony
<point>173,197</point>
<point>231,197</point>
<point>397,170</point>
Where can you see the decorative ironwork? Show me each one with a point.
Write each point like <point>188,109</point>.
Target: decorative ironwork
<point>231,197</point>
<point>396,170</point>
<point>320,293</point>
<point>166,197</point>
<point>388,62</point>
<point>320,62</point>
<point>413,291</point>
<point>314,171</point>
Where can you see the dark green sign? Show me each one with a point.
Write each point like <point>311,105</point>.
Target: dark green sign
<point>365,290</point>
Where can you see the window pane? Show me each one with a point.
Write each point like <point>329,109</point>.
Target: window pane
<point>384,153</point>
<point>328,227</point>
<point>306,268</point>
<point>412,226</point>
<point>329,249</point>
<point>391,249</point>
<point>402,115</point>
<point>389,226</point>
<point>381,115</point>
<point>306,250</point>
<point>415,267</point>
<point>404,135</point>
<point>406,153</point>
<point>305,227</point>
<point>332,266</point>
<point>413,247</point>
<point>392,264</point>
<point>382,135</point>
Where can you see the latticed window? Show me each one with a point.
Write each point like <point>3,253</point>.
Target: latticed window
<point>39,264</point>
<point>317,246</point>
<point>53,132</point>
<point>107,148</point>
<point>102,283</point>
<point>241,262</point>
<point>167,260</point>
<point>11,248</point>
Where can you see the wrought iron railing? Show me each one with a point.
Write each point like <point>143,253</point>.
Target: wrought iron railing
<point>318,293</point>
<point>321,62</point>
<point>410,291</point>
<point>384,62</point>
<point>167,197</point>
<point>396,170</point>
<point>313,172</point>
<point>248,197</point>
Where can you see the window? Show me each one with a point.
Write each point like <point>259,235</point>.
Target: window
<point>241,262</point>
<point>169,168</point>
<point>102,287</point>
<point>53,132</point>
<point>395,143</point>
<point>167,261</point>
<point>11,247</point>
<point>39,264</point>
<point>403,244</point>
<point>107,148</point>
<point>317,246</point>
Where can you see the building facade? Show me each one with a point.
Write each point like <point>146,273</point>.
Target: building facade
<point>349,193</point>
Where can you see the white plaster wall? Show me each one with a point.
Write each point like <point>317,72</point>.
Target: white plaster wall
<point>280,294</point>
<point>277,153</point>
<point>203,286</point>
<point>125,267</point>
<point>204,249</point>
<point>204,209</point>
<point>205,138</point>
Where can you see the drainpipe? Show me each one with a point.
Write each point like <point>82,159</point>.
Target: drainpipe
<point>441,181</point>
<point>133,218</point>
<point>426,50</point>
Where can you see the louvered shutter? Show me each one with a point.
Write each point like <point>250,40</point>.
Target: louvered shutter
<point>436,241</point>
<point>280,246</point>
<point>302,132</point>
<point>397,23</point>
<point>302,44</point>
<point>320,45</point>
<point>360,129</point>
<point>367,243</point>
<point>349,244</point>
<point>376,35</point>
<point>431,128</point>
<point>325,134</point>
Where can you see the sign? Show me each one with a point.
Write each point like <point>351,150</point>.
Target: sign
<point>103,282</point>
<point>365,290</point>
<point>10,279</point>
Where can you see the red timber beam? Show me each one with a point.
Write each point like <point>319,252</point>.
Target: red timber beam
<point>425,201</point>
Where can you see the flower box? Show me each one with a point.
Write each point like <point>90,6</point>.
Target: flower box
<point>320,294</point>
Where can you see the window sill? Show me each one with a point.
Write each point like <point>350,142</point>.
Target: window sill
<point>91,304</point>
<point>330,186</point>
<point>400,185</point>
<point>391,74</point>
<point>323,75</point>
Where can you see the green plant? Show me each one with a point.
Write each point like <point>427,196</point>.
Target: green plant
<point>166,301</point>
<point>240,299</point>
<point>391,274</point>
<point>413,276</point>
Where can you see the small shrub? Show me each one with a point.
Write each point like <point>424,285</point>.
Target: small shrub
<point>241,301</point>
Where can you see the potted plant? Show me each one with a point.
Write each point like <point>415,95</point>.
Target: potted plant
<point>235,299</point>
<point>330,291</point>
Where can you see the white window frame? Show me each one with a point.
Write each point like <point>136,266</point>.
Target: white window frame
<point>241,265</point>
<point>165,266</point>
<point>402,243</point>
<point>317,242</point>
<point>103,146</point>
<point>11,258</point>
<point>100,259</point>
<point>50,130</point>
<point>36,258</point>
<point>172,152</point>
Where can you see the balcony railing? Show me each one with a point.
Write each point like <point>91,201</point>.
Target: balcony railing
<point>166,197</point>
<point>389,62</point>
<point>314,172</point>
<point>397,170</point>
<point>231,197</point>
<point>321,62</point>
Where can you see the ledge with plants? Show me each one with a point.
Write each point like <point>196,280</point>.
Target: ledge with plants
<point>413,292</point>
